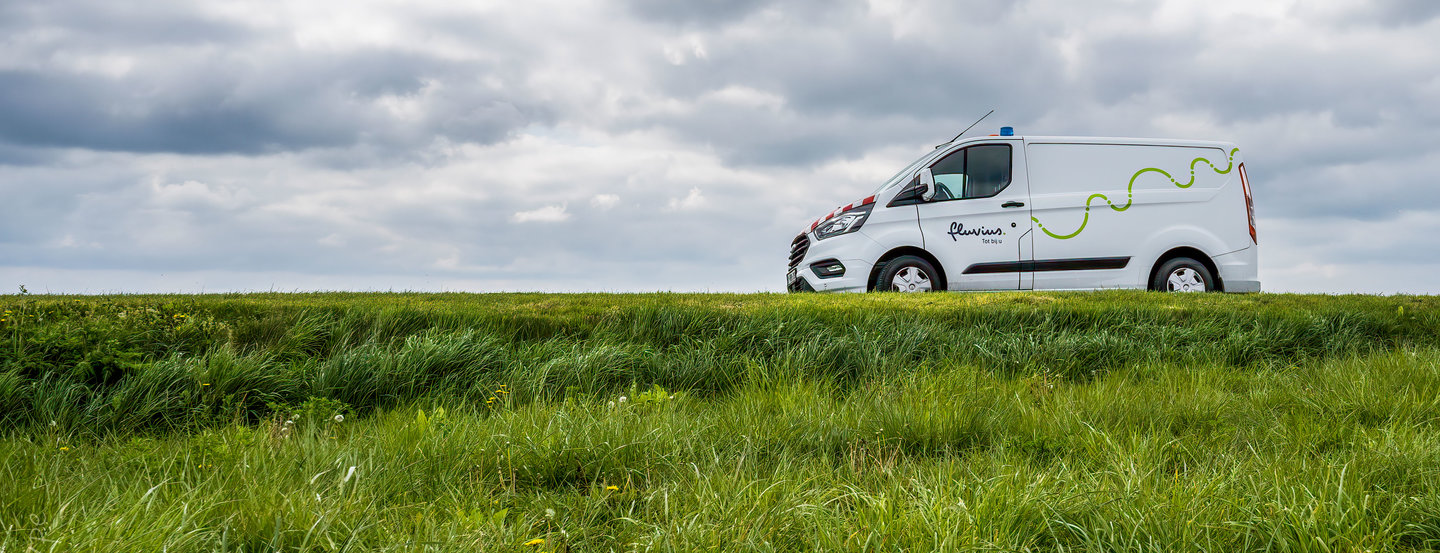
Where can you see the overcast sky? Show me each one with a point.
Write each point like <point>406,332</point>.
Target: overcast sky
<point>640,145</point>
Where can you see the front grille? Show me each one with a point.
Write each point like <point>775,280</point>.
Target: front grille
<point>798,249</point>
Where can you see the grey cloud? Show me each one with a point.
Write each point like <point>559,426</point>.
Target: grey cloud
<point>231,108</point>
<point>1406,12</point>
<point>745,135</point>
<point>70,111</point>
<point>163,78</point>
<point>844,94</point>
<point>1385,13</point>
<point>90,23</point>
<point>1367,191</point>
<point>713,13</point>
<point>15,155</point>
<point>868,71</point>
<point>702,11</point>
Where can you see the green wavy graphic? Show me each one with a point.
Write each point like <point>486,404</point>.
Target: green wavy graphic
<point>1130,192</point>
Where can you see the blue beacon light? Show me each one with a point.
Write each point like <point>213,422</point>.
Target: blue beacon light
<point>1007,131</point>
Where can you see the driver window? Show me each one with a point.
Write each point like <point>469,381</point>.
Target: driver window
<point>949,176</point>
<point>975,172</point>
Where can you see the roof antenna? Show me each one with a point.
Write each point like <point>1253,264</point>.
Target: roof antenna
<point>967,129</point>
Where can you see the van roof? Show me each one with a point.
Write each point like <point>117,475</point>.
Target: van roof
<point>1119,141</point>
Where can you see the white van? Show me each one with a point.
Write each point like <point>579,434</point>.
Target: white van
<point>1007,212</point>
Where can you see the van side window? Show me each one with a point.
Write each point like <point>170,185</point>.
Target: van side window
<point>974,172</point>
<point>988,167</point>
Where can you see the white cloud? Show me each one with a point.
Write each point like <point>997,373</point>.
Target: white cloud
<point>693,200</point>
<point>546,214</point>
<point>604,202</point>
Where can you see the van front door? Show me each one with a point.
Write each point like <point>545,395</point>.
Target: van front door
<point>978,222</point>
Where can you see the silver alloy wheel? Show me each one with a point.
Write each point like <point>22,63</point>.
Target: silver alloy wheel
<point>910,279</point>
<point>1185,279</point>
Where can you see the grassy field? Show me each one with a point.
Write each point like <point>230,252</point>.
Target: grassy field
<point>535,422</point>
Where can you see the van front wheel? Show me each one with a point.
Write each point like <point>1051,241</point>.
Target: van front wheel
<point>908,273</point>
<point>1183,274</point>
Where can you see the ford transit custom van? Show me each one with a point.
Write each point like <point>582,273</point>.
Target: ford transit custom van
<point>1007,212</point>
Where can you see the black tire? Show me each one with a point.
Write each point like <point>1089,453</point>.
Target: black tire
<point>1187,271</point>
<point>885,281</point>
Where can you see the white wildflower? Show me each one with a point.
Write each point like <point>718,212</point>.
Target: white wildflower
<point>339,418</point>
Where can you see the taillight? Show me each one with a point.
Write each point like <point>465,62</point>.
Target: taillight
<point>1249,202</point>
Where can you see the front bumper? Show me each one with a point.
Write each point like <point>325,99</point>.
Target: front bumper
<point>794,283</point>
<point>851,250</point>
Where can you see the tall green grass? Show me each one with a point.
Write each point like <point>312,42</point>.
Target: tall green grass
<point>141,363</point>
<point>1336,455</point>
<point>1041,422</point>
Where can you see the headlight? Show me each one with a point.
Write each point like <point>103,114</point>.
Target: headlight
<point>843,223</point>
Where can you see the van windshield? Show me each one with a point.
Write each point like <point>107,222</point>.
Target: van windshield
<point>909,170</point>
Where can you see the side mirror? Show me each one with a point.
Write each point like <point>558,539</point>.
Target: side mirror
<point>927,180</point>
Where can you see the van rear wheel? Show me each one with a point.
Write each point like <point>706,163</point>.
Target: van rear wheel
<point>1183,274</point>
<point>908,273</point>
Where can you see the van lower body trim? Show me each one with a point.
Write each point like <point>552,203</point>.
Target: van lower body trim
<point>1078,264</point>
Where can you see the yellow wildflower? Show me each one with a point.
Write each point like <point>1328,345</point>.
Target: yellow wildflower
<point>612,488</point>
<point>536,541</point>
<point>64,448</point>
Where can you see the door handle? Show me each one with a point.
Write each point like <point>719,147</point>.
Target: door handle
<point>1013,204</point>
